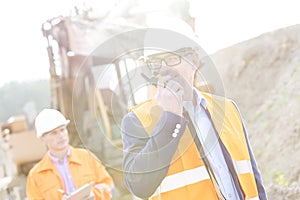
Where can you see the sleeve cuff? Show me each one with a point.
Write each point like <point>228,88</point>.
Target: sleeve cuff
<point>169,127</point>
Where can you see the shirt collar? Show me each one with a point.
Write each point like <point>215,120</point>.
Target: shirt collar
<point>47,164</point>
<point>199,98</point>
<point>200,101</point>
<point>60,160</point>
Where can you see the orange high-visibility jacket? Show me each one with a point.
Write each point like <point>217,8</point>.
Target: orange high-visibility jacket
<point>43,181</point>
<point>187,177</point>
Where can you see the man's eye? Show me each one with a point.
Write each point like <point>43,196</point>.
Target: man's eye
<point>188,54</point>
<point>172,59</point>
<point>155,60</point>
<point>52,133</point>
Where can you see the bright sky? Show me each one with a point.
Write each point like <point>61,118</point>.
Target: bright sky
<point>219,24</point>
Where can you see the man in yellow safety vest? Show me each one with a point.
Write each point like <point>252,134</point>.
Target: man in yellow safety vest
<point>183,143</point>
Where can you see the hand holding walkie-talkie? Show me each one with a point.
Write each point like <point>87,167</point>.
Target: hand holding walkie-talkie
<point>170,91</point>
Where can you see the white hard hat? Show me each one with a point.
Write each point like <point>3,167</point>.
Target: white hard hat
<point>168,34</point>
<point>172,24</point>
<point>49,119</point>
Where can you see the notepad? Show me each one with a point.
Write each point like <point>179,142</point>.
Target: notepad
<point>81,193</point>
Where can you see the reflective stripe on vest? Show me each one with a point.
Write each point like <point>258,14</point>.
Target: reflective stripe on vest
<point>182,179</point>
<point>243,167</point>
<point>196,175</point>
<point>254,198</point>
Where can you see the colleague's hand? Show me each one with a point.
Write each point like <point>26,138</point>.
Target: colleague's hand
<point>105,190</point>
<point>90,197</point>
<point>170,91</point>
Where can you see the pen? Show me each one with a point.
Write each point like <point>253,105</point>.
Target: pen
<point>61,191</point>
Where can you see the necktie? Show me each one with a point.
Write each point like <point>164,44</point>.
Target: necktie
<point>228,160</point>
<point>203,157</point>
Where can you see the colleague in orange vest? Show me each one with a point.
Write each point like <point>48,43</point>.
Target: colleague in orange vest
<point>183,143</point>
<point>64,169</point>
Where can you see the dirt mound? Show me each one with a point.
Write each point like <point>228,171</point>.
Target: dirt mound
<point>263,76</point>
<point>283,192</point>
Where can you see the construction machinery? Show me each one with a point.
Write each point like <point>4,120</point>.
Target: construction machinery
<point>20,149</point>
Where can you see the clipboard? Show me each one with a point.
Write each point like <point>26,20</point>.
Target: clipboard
<point>81,193</point>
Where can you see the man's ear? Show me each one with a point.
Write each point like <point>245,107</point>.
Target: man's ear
<point>42,138</point>
<point>196,59</point>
